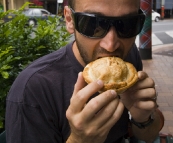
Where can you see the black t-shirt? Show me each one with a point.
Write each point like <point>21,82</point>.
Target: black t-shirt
<point>40,95</point>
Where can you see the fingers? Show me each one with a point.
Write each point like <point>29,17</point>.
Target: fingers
<point>145,105</point>
<point>140,99</point>
<point>145,99</point>
<point>115,117</point>
<point>103,111</point>
<point>144,82</point>
<point>144,89</point>
<point>82,93</point>
<point>110,114</point>
<point>101,103</point>
<point>144,94</point>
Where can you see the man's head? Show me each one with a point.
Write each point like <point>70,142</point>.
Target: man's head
<point>103,27</point>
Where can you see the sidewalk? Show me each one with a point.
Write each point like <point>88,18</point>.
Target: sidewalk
<point>160,68</point>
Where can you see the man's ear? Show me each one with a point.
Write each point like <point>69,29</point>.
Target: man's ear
<point>68,20</point>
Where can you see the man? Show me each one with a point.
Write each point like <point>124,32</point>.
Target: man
<point>50,102</point>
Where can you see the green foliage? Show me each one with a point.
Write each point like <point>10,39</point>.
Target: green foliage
<point>21,44</point>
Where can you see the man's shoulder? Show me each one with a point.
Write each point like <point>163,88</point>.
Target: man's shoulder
<point>48,60</point>
<point>44,62</point>
<point>36,72</point>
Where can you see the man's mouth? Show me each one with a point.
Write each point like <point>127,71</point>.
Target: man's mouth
<point>108,56</point>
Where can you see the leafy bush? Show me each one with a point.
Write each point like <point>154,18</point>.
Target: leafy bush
<point>21,44</point>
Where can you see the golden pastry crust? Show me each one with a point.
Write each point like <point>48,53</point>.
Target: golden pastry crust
<point>113,71</point>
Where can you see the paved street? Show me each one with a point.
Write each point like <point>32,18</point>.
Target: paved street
<point>160,68</point>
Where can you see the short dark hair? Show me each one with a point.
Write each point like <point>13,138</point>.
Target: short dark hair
<point>71,3</point>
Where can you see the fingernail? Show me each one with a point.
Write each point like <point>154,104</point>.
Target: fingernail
<point>79,74</point>
<point>100,82</point>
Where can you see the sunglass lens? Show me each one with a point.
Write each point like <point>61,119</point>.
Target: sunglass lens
<point>129,27</point>
<point>91,26</point>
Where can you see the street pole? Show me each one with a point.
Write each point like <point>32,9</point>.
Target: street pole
<point>12,4</point>
<point>163,9</point>
<point>57,8</point>
<point>145,46</point>
<point>4,4</point>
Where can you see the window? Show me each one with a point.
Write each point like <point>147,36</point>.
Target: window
<point>44,12</point>
<point>37,12</point>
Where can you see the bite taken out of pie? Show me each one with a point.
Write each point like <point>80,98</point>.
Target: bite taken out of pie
<point>113,71</point>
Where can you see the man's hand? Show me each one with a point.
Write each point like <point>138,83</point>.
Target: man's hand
<point>91,120</point>
<point>140,99</point>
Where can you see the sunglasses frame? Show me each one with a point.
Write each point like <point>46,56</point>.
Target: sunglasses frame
<point>141,15</point>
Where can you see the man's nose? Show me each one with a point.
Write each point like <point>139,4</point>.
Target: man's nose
<point>111,41</point>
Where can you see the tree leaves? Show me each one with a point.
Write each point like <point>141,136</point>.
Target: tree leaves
<point>21,44</point>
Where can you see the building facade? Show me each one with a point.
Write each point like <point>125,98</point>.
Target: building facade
<point>164,5</point>
<point>54,6</point>
<point>11,4</point>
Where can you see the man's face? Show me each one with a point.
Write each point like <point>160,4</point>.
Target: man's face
<point>110,45</point>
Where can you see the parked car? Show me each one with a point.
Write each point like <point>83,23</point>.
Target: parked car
<point>33,15</point>
<point>8,17</point>
<point>36,13</point>
<point>155,16</point>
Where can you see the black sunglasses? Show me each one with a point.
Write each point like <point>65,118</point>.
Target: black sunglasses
<point>97,26</point>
